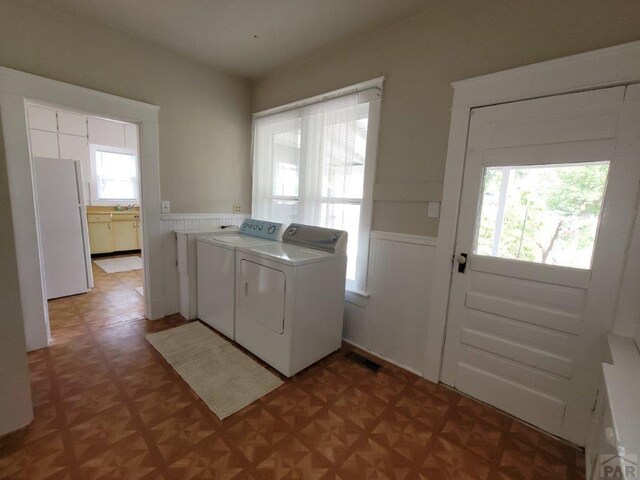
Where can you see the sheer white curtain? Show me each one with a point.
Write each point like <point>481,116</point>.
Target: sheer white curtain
<point>276,167</point>
<point>309,167</point>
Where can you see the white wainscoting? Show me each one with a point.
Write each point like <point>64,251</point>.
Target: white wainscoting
<point>185,221</point>
<point>391,321</point>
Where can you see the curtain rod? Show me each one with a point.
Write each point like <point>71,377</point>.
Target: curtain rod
<point>373,84</point>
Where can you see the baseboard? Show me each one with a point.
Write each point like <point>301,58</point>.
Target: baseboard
<point>375,354</point>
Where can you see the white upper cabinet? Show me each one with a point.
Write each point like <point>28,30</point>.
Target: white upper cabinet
<point>72,123</point>
<point>42,118</point>
<point>106,132</point>
<point>73,147</point>
<point>44,144</point>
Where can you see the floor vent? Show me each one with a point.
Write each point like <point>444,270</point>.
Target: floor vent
<point>357,358</point>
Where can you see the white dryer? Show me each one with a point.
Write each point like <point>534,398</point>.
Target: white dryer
<point>290,297</point>
<point>216,256</point>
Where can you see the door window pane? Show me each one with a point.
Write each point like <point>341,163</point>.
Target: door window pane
<point>544,213</point>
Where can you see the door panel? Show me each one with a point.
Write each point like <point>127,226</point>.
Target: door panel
<point>547,202</point>
<point>523,311</point>
<point>571,277</point>
<point>554,341</point>
<point>555,153</point>
<point>262,296</point>
<point>544,382</point>
<point>520,400</point>
<point>564,297</point>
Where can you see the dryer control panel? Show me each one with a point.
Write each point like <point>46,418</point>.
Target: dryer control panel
<point>327,239</point>
<point>262,229</point>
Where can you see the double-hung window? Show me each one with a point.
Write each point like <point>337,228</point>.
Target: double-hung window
<point>114,174</point>
<point>314,162</point>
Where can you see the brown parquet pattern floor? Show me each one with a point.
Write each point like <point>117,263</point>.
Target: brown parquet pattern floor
<point>108,406</point>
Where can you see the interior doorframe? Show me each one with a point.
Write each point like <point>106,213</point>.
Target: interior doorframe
<point>618,65</point>
<point>16,89</point>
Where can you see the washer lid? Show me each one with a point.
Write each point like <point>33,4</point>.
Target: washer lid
<point>289,254</point>
<point>234,240</point>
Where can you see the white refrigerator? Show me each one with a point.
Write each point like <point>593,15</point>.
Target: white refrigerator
<point>63,230</point>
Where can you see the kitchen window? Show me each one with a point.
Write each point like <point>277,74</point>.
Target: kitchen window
<point>314,163</point>
<point>114,175</point>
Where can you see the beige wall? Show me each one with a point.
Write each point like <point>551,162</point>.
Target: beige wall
<point>204,114</point>
<point>204,141</point>
<point>422,56</point>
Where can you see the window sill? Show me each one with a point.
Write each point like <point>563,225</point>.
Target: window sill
<point>356,298</point>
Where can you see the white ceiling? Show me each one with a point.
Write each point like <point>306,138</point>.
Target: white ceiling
<point>246,37</point>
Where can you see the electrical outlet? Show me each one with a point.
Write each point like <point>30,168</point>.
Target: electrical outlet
<point>237,208</point>
<point>433,209</point>
<point>166,206</point>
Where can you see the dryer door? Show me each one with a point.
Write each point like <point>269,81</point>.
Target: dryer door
<point>262,291</point>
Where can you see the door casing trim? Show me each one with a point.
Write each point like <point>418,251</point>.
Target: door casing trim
<point>16,88</point>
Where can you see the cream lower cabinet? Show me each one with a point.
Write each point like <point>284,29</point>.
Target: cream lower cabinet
<point>117,232</point>
<point>125,236</point>
<point>100,236</point>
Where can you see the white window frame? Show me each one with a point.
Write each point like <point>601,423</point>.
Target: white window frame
<point>371,92</point>
<point>93,178</point>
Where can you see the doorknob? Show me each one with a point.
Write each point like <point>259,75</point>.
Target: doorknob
<point>462,262</point>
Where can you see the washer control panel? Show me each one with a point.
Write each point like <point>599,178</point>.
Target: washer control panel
<point>262,229</point>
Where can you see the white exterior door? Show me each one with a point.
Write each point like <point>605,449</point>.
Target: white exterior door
<point>549,191</point>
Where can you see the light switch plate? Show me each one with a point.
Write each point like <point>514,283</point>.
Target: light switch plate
<point>166,206</point>
<point>433,209</point>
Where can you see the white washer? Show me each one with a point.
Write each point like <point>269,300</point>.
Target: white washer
<point>217,274</point>
<point>290,297</point>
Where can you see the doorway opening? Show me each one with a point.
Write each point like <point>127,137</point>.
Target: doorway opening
<point>86,175</point>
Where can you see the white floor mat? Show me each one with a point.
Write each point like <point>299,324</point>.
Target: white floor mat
<point>222,375</point>
<point>140,291</point>
<point>119,264</point>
